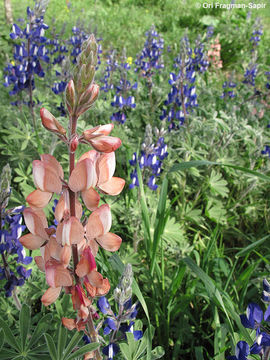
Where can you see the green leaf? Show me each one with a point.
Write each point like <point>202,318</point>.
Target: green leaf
<point>251,247</point>
<point>9,337</point>
<point>40,329</point>
<point>62,339</point>
<point>72,343</point>
<point>2,339</point>
<point>83,350</point>
<point>216,212</point>
<point>24,321</point>
<point>217,184</point>
<point>51,346</point>
<point>159,222</point>
<point>145,212</point>
<point>197,163</point>
<point>7,354</point>
<point>125,351</point>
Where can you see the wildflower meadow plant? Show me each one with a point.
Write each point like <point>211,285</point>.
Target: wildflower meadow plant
<point>13,271</point>
<point>182,97</point>
<point>73,239</point>
<point>29,54</point>
<point>150,158</point>
<point>123,100</point>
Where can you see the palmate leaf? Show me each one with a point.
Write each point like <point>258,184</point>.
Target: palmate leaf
<point>216,211</point>
<point>217,184</point>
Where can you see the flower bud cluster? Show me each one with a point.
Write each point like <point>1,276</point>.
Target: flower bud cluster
<point>82,92</point>
<point>150,159</point>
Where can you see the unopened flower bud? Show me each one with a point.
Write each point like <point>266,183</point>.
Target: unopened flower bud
<point>50,123</point>
<point>70,96</point>
<point>88,97</point>
<point>74,144</point>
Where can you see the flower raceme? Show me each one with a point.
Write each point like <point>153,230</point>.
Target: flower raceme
<point>92,173</point>
<point>92,170</point>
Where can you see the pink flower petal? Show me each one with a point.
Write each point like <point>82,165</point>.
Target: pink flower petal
<point>106,144</point>
<point>40,263</point>
<point>91,199</point>
<point>110,241</point>
<point>95,278</point>
<point>56,274</point>
<point>70,232</point>
<point>39,199</point>
<point>50,296</point>
<point>32,242</point>
<point>105,167</point>
<point>35,221</point>
<point>53,163</point>
<point>45,179</point>
<point>83,176</point>
<point>113,186</point>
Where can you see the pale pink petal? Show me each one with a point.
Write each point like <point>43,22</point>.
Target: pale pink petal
<point>95,278</point>
<point>86,264</point>
<point>110,241</point>
<point>32,242</point>
<point>83,176</point>
<point>92,155</point>
<point>104,289</point>
<point>106,144</point>
<point>94,247</point>
<point>65,255</point>
<point>56,274</point>
<point>70,324</point>
<point>55,165</point>
<point>61,206</point>
<point>70,232</point>
<point>78,209</point>
<point>91,199</point>
<point>105,167</point>
<point>35,222</point>
<point>50,296</point>
<point>39,199</point>
<point>40,263</point>
<point>45,179</point>
<point>105,216</point>
<point>94,227</point>
<point>54,248</point>
<point>112,187</point>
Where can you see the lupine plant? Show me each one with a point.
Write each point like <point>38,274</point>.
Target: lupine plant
<point>182,97</point>
<point>123,100</point>
<point>29,53</point>
<point>13,273</point>
<point>72,238</point>
<point>150,158</point>
<point>257,320</point>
